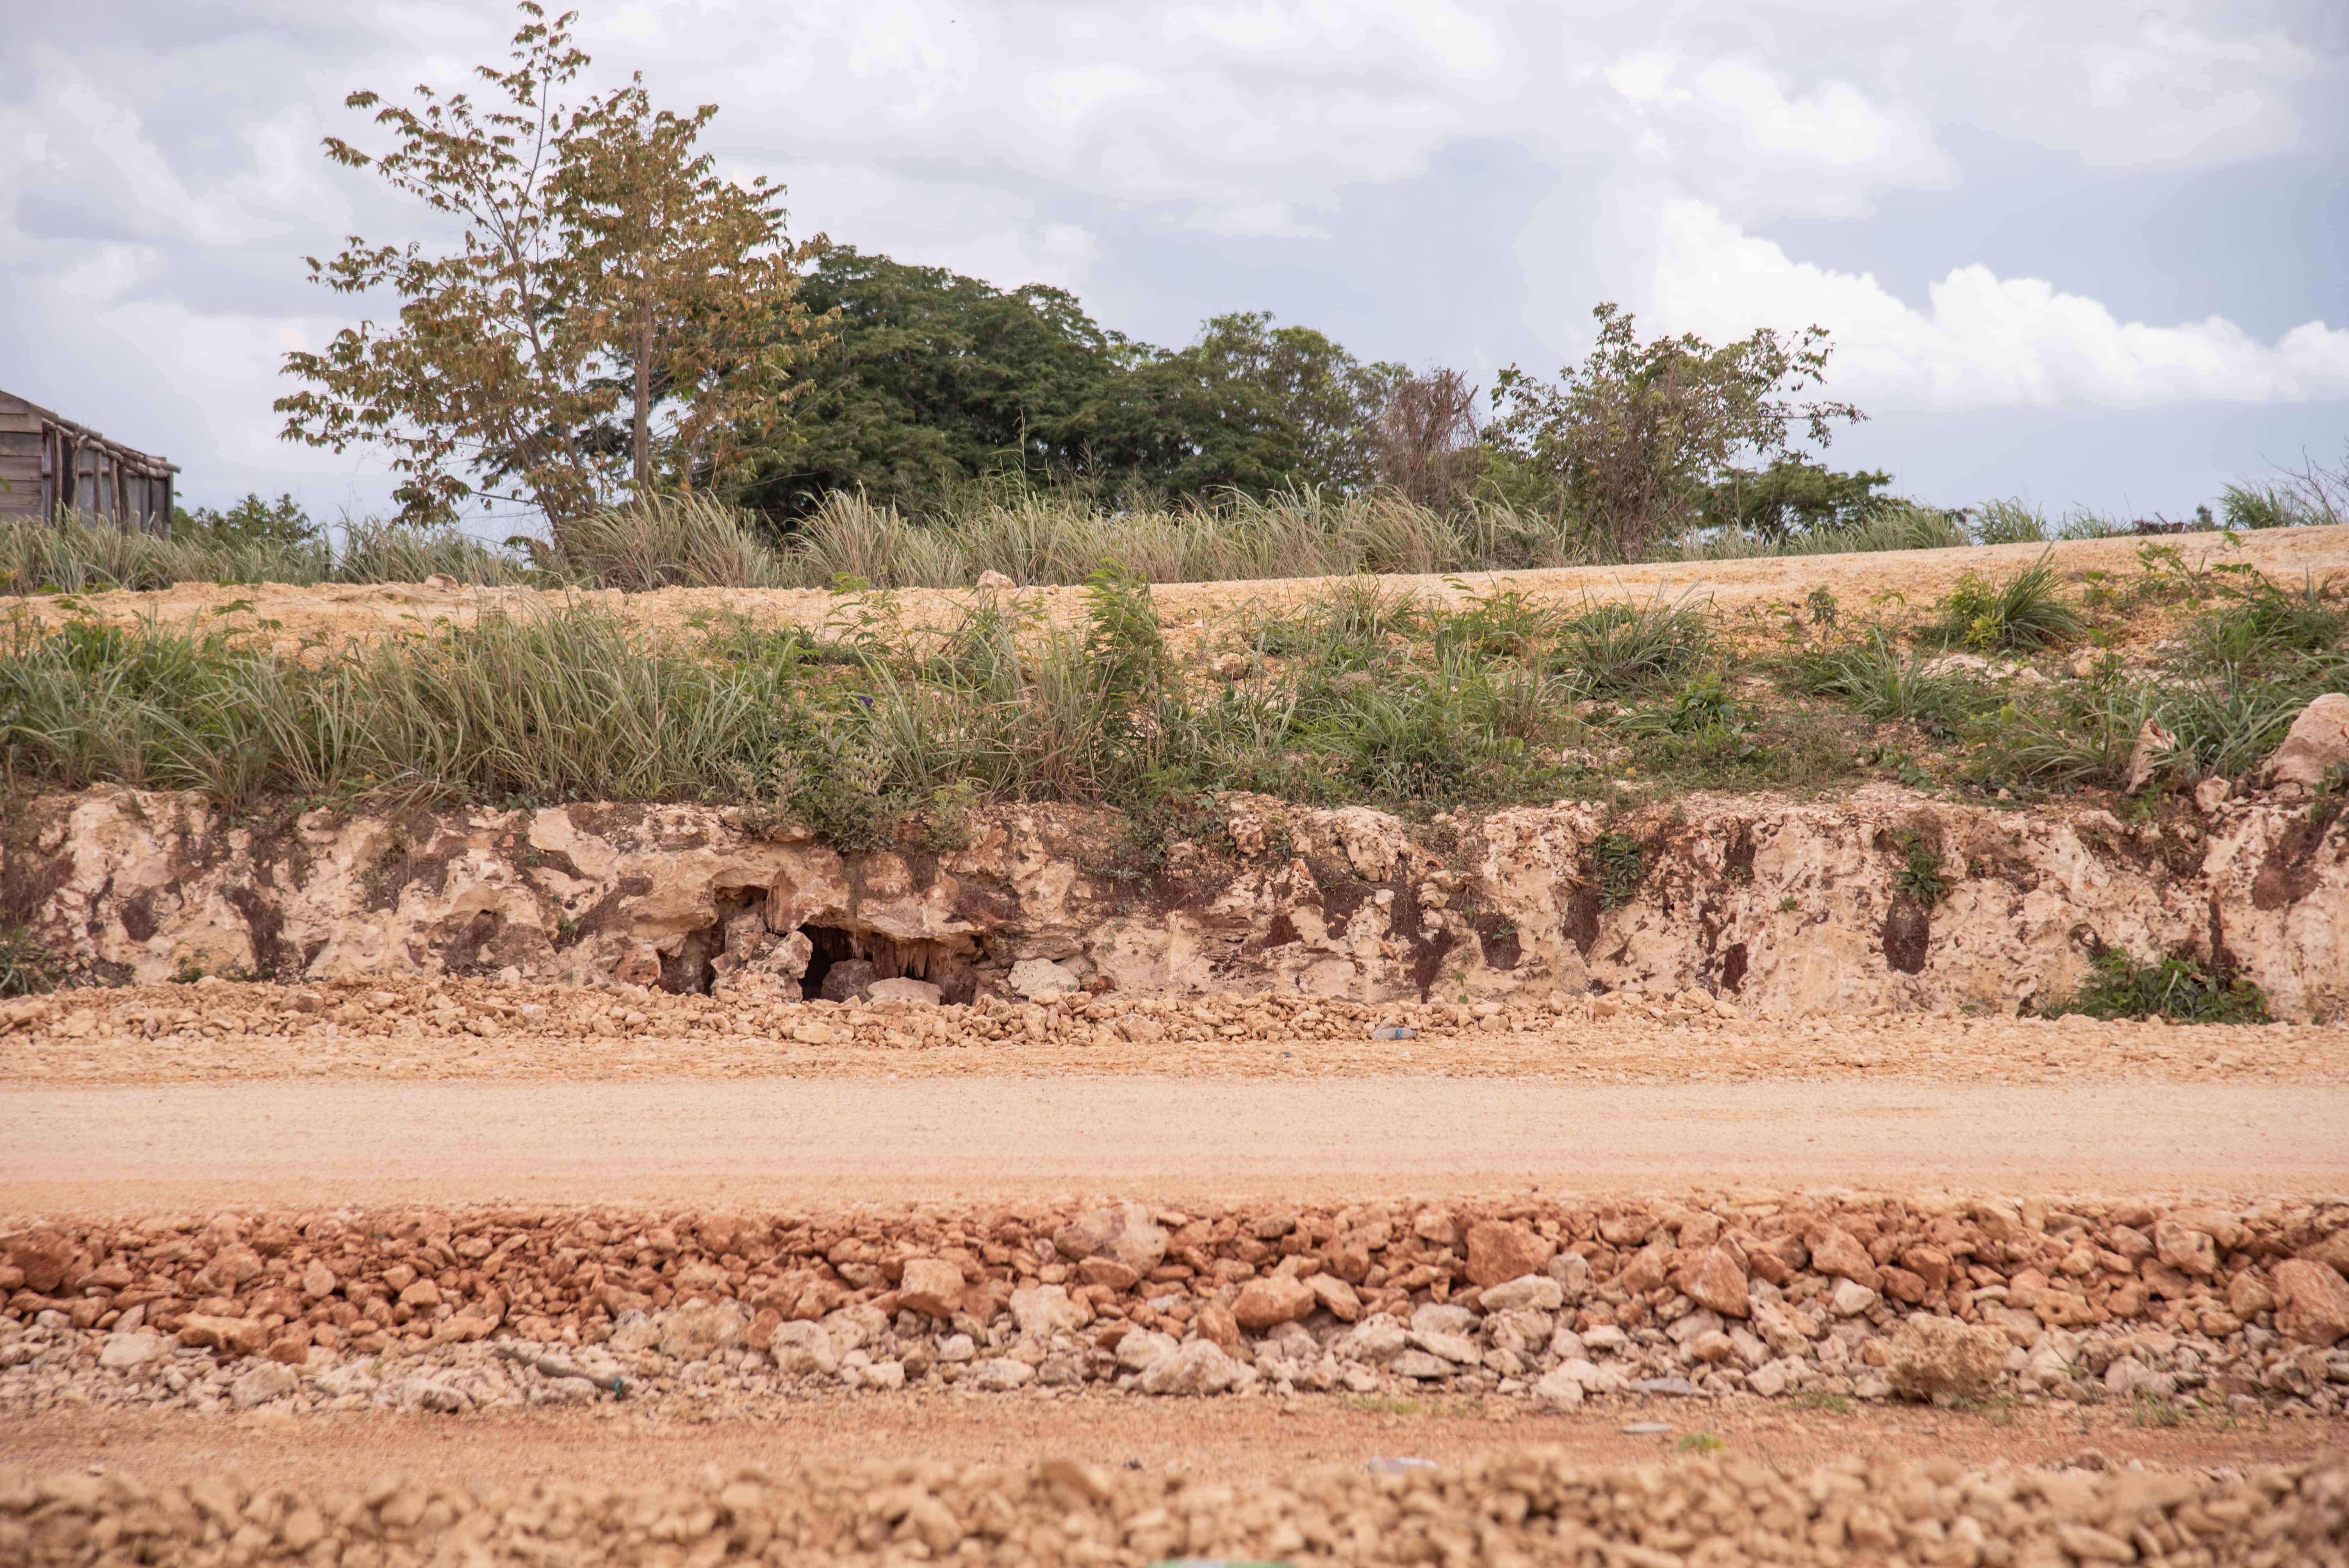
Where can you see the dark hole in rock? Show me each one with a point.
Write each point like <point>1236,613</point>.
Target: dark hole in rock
<point>690,969</point>
<point>829,945</point>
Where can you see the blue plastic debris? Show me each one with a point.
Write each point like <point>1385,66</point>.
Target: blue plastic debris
<point>1394,1032</point>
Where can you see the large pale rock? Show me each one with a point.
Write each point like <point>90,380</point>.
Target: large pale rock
<point>1267,1301</point>
<point>1717,1282</point>
<point>1125,1234</point>
<point>1044,1310</point>
<point>2185,1250</point>
<point>804,1349</point>
<point>1040,979</point>
<point>1197,1367</point>
<point>698,1330</point>
<point>1943,1359</point>
<point>915,993</point>
<point>2314,1303</point>
<point>124,1351</point>
<point>1534,1293</point>
<point>1558,1390</point>
<point>1835,1252</point>
<point>269,1381</point>
<point>931,1287</point>
<point>2317,742</point>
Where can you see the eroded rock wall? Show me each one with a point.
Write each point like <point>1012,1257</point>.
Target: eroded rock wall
<point>1880,900</point>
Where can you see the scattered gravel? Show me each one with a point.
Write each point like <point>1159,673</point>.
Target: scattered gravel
<point>375,1030</point>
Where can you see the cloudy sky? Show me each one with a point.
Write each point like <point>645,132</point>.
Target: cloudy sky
<point>2088,253</point>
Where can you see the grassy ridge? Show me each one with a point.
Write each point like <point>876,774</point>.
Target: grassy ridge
<point>1362,694</point>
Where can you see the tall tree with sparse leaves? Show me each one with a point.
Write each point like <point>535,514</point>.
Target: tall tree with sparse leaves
<point>1636,436</point>
<point>615,317</point>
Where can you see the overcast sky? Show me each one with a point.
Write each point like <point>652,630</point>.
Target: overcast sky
<point>2089,253</point>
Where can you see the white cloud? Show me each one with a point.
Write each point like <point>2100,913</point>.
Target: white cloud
<point>1734,130</point>
<point>1980,341</point>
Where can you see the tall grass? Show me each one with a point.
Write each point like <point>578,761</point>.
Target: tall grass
<point>1062,537</point>
<point>579,704</point>
<point>1899,525</point>
<point>81,556</point>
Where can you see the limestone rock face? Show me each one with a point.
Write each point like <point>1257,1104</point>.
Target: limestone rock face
<point>2317,742</point>
<point>689,897</point>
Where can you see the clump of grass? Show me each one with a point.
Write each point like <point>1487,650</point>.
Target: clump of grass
<point>1883,683</point>
<point>29,967</point>
<point>2266,620</point>
<point>665,542</point>
<point>1920,876</point>
<point>1620,647</point>
<point>2024,611</point>
<point>1618,867</point>
<point>2176,988</point>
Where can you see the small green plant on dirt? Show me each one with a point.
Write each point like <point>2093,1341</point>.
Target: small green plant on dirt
<point>1821,603</point>
<point>946,826</point>
<point>2025,611</point>
<point>27,968</point>
<point>1789,904</point>
<point>1618,866</point>
<point>566,930</point>
<point>1819,1399</point>
<point>2176,988</point>
<point>1700,1443</point>
<point>1920,877</point>
<point>2156,1410</point>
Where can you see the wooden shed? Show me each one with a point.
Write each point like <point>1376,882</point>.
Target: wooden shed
<point>51,468</point>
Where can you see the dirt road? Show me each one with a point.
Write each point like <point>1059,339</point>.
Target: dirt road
<point>94,1150</point>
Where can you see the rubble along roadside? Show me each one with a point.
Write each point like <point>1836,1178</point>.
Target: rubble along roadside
<point>1527,1506</point>
<point>2230,1308</point>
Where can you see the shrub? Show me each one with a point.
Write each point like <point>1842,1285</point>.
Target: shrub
<point>2024,611</point>
<point>26,967</point>
<point>2176,988</point>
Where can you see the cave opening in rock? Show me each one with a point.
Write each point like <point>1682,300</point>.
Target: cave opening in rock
<point>829,944</point>
<point>691,969</point>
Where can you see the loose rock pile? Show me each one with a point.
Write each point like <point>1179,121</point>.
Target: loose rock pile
<point>1530,1507</point>
<point>1552,1302</point>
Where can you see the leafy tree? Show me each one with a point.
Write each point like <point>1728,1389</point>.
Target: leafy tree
<point>1248,406</point>
<point>251,521</point>
<point>1635,437</point>
<point>932,378</point>
<point>605,279</point>
<point>1794,495</point>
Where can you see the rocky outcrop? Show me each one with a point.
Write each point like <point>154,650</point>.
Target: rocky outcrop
<point>1881,901</point>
